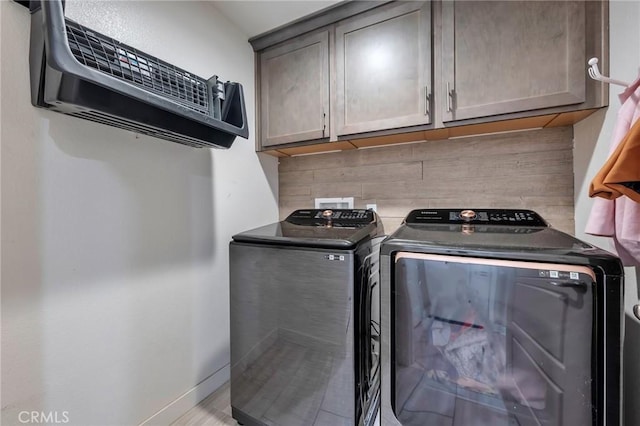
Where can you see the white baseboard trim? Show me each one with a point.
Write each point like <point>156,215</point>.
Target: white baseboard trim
<point>189,399</point>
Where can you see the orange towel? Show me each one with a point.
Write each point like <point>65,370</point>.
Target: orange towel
<point>620,175</point>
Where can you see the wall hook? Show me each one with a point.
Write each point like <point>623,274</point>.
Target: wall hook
<point>594,73</point>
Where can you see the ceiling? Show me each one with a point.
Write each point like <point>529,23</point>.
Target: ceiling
<point>257,17</point>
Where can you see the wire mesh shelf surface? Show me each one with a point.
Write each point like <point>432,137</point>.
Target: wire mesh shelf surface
<point>107,55</point>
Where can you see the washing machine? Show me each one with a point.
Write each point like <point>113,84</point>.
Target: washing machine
<point>492,317</point>
<point>305,320</point>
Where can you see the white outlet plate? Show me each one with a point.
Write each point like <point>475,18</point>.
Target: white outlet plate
<point>373,207</point>
<point>334,203</point>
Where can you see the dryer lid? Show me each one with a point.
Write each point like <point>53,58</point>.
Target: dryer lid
<point>485,229</point>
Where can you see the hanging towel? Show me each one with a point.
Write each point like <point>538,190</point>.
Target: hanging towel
<point>620,175</point>
<point>620,218</point>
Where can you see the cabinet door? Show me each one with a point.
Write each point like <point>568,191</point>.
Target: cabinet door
<point>383,75</point>
<point>294,90</point>
<point>510,56</point>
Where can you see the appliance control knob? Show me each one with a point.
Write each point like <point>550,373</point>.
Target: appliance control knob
<point>327,214</point>
<point>468,215</point>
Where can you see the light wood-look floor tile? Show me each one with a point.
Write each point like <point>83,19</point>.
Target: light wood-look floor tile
<point>214,410</point>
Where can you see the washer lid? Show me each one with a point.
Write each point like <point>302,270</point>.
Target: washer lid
<point>338,228</point>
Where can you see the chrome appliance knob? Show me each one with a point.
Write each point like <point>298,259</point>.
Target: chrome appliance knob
<point>468,215</point>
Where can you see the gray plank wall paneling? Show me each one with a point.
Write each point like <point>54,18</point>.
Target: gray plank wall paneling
<point>529,169</point>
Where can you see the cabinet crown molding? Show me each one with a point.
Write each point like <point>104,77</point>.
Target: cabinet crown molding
<point>322,18</point>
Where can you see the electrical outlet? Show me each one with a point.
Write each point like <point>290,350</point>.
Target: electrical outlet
<point>334,203</point>
<point>373,207</point>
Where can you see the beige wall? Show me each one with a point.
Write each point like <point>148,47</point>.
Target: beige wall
<point>593,139</point>
<point>529,169</point>
<point>115,282</point>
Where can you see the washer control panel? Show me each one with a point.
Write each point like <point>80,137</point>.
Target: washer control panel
<point>475,216</point>
<point>333,217</point>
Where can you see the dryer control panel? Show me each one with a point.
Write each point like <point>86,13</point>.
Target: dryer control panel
<point>475,216</point>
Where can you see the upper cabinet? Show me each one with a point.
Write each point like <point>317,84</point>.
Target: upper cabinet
<point>383,69</point>
<point>294,90</point>
<point>501,57</point>
<point>368,73</point>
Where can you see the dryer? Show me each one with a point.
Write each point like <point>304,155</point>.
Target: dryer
<point>491,317</point>
<point>305,321</point>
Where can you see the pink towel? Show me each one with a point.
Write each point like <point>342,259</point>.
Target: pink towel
<point>620,218</point>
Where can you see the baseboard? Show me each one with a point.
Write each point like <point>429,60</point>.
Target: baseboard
<point>189,399</point>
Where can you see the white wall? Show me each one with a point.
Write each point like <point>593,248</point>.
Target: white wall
<point>593,135</point>
<point>115,245</point>
<point>592,142</point>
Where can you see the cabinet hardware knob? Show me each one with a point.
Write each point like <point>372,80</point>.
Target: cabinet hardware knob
<point>449,98</point>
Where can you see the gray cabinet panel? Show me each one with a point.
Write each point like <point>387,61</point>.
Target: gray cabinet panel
<point>408,66</point>
<point>294,90</point>
<point>383,69</point>
<point>503,57</point>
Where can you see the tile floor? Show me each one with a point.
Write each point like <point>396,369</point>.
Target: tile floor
<point>214,410</point>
